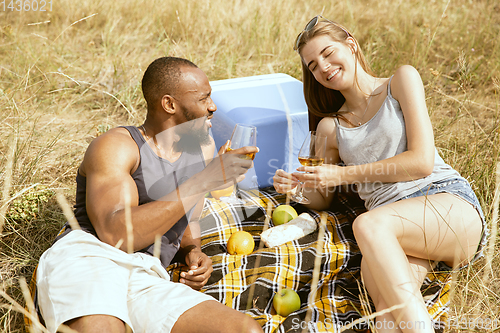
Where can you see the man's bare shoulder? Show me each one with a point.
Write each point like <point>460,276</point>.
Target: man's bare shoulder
<point>114,149</point>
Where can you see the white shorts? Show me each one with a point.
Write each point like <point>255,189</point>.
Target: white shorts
<point>80,275</point>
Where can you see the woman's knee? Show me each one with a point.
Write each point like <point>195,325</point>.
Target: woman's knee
<point>368,225</point>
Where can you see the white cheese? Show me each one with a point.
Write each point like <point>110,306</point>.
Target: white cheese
<point>300,226</point>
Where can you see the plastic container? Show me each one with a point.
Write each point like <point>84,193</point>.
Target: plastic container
<point>263,101</point>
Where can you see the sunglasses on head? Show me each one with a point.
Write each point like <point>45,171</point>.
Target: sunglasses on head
<point>311,24</point>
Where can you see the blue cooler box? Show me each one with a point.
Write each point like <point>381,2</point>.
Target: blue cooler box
<point>263,101</point>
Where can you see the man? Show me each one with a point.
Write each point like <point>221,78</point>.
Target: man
<point>134,185</point>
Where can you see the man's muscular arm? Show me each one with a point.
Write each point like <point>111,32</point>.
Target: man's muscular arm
<point>108,165</point>
<point>199,265</point>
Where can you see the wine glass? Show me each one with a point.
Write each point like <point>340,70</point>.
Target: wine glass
<point>243,135</point>
<point>312,153</point>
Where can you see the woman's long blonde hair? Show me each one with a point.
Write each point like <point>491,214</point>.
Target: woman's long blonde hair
<point>321,101</point>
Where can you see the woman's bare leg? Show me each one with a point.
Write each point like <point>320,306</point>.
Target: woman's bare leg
<point>386,322</point>
<point>437,227</point>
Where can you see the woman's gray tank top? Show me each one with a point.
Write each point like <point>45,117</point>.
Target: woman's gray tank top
<point>382,137</point>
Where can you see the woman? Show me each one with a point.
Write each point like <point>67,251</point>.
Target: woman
<point>420,210</point>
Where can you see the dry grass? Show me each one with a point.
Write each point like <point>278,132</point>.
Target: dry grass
<point>69,74</point>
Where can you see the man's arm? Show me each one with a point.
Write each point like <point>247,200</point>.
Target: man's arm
<point>108,165</point>
<point>198,263</point>
<point>192,236</point>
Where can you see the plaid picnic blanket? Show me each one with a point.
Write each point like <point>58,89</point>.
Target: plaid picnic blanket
<point>339,298</point>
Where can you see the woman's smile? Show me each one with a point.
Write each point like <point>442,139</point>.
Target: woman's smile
<point>333,74</point>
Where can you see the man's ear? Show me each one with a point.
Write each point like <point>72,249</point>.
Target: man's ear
<point>168,104</point>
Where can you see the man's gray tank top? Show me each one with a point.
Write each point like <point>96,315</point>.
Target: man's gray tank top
<point>154,178</point>
<point>382,137</point>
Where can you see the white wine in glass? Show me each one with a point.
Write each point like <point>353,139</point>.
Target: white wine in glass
<point>312,153</point>
<point>243,135</point>
<point>249,156</point>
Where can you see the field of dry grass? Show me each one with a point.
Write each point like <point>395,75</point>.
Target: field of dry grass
<point>68,74</point>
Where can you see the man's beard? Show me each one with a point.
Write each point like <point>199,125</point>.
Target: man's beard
<point>193,134</point>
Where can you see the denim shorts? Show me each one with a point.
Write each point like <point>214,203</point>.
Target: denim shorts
<point>461,188</point>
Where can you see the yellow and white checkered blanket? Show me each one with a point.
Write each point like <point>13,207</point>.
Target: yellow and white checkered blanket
<point>338,300</point>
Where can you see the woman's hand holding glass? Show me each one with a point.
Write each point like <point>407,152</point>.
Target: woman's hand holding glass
<point>321,177</point>
<point>284,182</point>
<point>311,154</point>
<point>318,177</point>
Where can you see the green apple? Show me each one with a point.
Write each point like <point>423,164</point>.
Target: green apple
<point>283,214</point>
<point>286,301</point>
